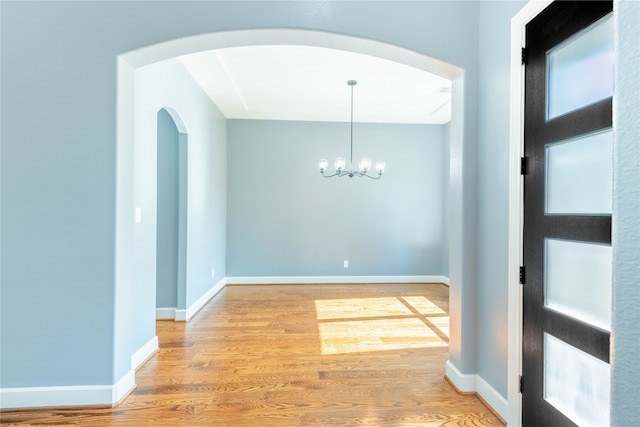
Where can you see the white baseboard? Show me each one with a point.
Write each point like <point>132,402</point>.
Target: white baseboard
<point>464,382</point>
<point>272,280</point>
<point>182,315</point>
<point>85,395</point>
<point>143,353</point>
<point>474,383</point>
<point>123,387</point>
<point>187,314</point>
<point>165,313</point>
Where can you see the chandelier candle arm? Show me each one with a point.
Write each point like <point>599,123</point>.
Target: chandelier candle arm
<point>364,166</point>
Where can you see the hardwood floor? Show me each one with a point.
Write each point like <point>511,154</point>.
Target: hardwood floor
<point>296,355</point>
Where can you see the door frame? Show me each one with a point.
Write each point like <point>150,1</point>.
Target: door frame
<point>516,209</point>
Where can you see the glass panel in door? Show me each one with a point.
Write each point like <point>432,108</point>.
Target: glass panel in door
<point>580,70</point>
<point>576,383</point>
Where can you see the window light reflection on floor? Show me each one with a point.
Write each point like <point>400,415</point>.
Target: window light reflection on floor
<point>377,324</point>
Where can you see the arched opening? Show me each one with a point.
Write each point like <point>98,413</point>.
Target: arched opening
<point>130,156</point>
<point>171,207</point>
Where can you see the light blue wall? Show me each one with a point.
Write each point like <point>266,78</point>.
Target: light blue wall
<point>493,189</point>
<point>207,206</point>
<point>285,219</point>
<point>58,195</point>
<point>626,219</point>
<point>167,213</point>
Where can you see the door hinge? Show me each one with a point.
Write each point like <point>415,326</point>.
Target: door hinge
<point>524,165</point>
<point>524,56</point>
<point>523,275</point>
<point>520,386</point>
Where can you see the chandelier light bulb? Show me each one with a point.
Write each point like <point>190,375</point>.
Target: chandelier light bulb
<point>340,164</point>
<point>380,165</point>
<point>365,165</point>
<point>323,164</point>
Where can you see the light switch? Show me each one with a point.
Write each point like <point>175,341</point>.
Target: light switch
<point>138,215</point>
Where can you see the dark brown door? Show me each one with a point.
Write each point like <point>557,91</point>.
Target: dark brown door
<point>567,215</point>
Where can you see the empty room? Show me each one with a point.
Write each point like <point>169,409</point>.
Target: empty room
<point>287,213</point>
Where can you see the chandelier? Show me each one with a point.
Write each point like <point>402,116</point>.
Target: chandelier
<point>340,164</point>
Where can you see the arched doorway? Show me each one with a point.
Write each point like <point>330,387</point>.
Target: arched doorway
<point>459,259</point>
<point>171,224</point>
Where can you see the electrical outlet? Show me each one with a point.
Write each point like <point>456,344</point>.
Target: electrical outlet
<point>346,263</point>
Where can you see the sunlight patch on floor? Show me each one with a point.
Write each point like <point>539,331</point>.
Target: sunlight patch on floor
<point>377,324</point>
<point>360,307</point>
<point>424,305</point>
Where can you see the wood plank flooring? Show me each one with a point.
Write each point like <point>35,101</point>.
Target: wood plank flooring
<point>295,355</point>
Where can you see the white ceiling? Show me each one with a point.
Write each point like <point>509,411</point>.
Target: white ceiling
<point>310,83</point>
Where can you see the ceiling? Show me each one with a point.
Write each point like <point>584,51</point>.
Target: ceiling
<point>310,83</point>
